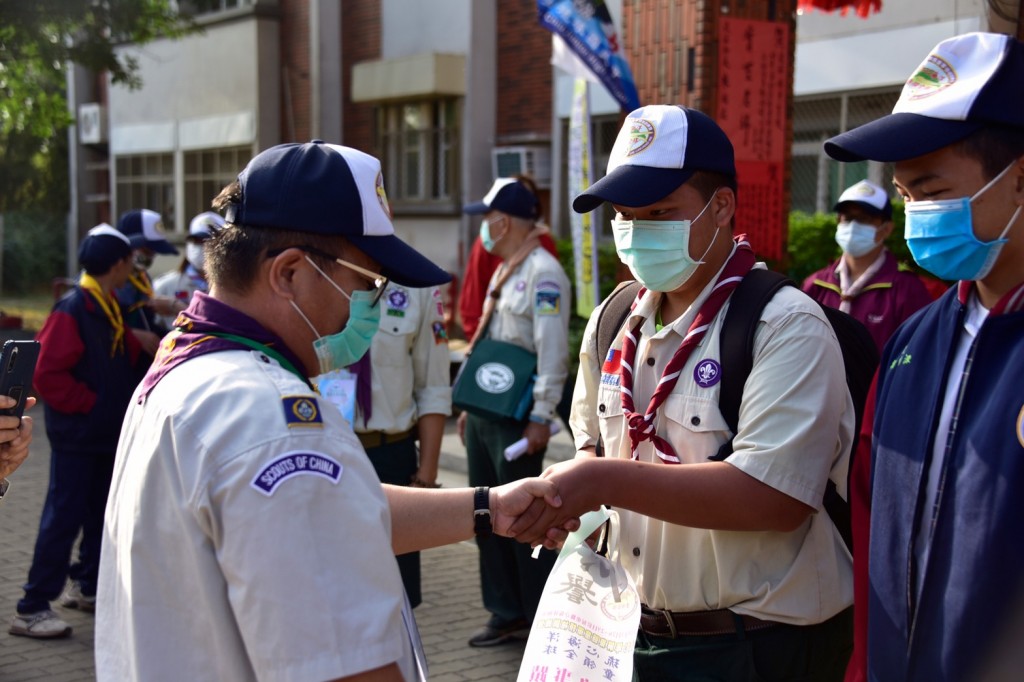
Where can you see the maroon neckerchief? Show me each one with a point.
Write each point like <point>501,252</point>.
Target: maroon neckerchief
<point>1011,302</point>
<point>641,426</point>
<point>362,370</point>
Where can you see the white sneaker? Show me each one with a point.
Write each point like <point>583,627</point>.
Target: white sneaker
<point>73,598</point>
<point>39,625</point>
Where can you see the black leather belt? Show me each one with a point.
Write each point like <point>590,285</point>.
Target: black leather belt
<point>672,624</point>
<point>375,439</point>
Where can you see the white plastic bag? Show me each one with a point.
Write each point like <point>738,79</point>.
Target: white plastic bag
<point>586,623</point>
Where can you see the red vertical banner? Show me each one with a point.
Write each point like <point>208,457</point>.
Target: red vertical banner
<point>753,80</point>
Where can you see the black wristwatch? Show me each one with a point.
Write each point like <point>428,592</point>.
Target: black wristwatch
<point>482,511</point>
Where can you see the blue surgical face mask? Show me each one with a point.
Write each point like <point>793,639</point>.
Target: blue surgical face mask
<point>940,235</point>
<point>856,239</point>
<point>657,252</point>
<point>351,343</point>
<point>486,240</point>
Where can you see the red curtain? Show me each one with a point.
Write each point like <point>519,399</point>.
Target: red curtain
<point>863,8</point>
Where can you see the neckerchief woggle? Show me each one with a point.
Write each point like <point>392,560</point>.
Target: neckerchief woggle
<point>640,427</point>
<point>210,326</point>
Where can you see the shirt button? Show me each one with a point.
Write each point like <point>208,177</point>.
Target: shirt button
<point>650,361</point>
<point>394,329</point>
<point>600,408</point>
<point>695,421</point>
<point>636,551</point>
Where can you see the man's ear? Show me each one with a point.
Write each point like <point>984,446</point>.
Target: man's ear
<point>723,205</point>
<point>1018,187</point>
<point>284,274</point>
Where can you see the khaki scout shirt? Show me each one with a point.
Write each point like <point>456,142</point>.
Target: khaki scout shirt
<point>533,313</point>
<point>795,429</point>
<point>411,367</point>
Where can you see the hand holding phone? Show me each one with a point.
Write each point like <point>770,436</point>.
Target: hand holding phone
<point>17,365</point>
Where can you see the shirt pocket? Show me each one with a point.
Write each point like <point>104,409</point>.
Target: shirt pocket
<point>393,343</point>
<point>694,426</point>
<point>612,420</point>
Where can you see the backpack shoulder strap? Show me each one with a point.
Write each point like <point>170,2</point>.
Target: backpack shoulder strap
<point>736,351</point>
<point>612,314</point>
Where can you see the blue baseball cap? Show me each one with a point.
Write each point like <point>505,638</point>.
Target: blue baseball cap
<point>659,147</point>
<point>145,229</point>
<point>966,83</point>
<point>510,196</point>
<point>332,190</point>
<point>102,247</point>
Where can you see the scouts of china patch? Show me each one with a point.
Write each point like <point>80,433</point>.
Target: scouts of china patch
<point>440,335</point>
<point>291,464</point>
<point>301,411</point>
<point>548,302</point>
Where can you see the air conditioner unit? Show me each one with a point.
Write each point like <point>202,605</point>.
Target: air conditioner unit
<point>532,161</point>
<point>92,123</point>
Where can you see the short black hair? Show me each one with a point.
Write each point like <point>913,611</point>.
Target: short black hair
<point>994,147</point>
<point>708,182</point>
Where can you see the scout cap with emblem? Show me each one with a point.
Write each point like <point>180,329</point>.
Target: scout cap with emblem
<point>966,83</point>
<point>102,247</point>
<point>145,229</point>
<point>507,195</point>
<point>333,190</point>
<point>659,147</point>
<point>867,195</point>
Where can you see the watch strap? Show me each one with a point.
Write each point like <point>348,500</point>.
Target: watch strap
<point>482,511</point>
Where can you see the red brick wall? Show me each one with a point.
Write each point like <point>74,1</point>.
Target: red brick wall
<point>524,72</point>
<point>360,41</point>
<point>295,87</point>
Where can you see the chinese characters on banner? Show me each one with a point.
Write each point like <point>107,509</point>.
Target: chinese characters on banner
<point>753,83</point>
<point>584,251</point>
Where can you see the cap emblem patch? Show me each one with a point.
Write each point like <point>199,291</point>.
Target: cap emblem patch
<point>382,196</point>
<point>933,76</point>
<point>641,136</point>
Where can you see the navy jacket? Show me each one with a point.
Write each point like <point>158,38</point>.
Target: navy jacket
<point>974,573</point>
<point>85,390</point>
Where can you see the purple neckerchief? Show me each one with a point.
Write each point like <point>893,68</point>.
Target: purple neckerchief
<point>364,386</point>
<point>191,337</point>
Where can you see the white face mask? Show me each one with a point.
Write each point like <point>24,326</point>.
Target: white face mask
<point>194,255</point>
<point>856,239</point>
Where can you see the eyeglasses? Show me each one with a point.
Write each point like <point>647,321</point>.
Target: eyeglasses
<point>380,282</point>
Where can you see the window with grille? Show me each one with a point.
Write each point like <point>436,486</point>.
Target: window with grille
<point>146,181</point>
<point>207,172</point>
<point>417,143</point>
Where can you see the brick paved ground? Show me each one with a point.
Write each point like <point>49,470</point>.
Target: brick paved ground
<point>450,611</point>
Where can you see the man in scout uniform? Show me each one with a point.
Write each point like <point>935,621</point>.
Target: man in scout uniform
<point>404,397</point>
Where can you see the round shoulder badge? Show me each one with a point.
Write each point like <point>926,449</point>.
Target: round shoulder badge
<point>933,76</point>
<point>707,373</point>
<point>494,377</point>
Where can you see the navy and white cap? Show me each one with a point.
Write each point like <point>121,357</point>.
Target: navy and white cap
<point>966,83</point>
<point>510,196</point>
<point>659,147</point>
<point>868,195</point>
<point>145,229</point>
<point>332,190</point>
<point>205,225</point>
<point>102,247</point>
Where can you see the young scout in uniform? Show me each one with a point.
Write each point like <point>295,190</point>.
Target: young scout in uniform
<point>945,589</point>
<point>866,281</point>
<point>247,536</point>
<point>741,573</point>
<point>405,398</point>
<point>528,306</point>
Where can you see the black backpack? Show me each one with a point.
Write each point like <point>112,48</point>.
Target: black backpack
<point>860,358</point>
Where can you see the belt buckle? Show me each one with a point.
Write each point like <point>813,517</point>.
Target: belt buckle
<point>672,633</point>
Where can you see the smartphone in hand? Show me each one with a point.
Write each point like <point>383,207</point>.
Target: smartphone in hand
<point>17,365</point>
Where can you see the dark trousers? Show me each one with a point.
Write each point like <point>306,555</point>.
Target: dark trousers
<point>790,653</point>
<point>75,501</point>
<point>396,463</point>
<point>510,579</point>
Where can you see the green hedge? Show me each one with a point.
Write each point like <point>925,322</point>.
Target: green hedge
<point>33,251</point>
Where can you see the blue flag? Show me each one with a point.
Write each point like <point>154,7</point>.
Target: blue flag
<point>586,28</point>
